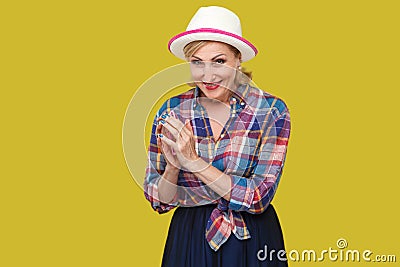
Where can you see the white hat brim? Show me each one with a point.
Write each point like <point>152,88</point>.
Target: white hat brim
<point>178,42</point>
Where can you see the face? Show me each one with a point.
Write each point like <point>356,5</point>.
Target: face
<point>213,68</point>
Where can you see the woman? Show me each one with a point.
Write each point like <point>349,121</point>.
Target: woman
<point>217,152</point>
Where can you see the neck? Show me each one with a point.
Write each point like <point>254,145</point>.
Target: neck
<point>224,98</point>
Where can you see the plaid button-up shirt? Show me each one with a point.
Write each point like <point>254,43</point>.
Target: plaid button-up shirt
<point>251,150</point>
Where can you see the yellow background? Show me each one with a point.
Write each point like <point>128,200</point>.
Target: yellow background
<point>70,68</point>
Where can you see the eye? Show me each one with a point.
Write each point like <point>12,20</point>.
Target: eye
<point>196,62</point>
<point>220,61</point>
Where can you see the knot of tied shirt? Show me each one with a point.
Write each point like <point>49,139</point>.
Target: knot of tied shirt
<point>222,222</point>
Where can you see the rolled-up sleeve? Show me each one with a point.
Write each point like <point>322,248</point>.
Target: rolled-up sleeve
<point>154,171</point>
<point>253,194</point>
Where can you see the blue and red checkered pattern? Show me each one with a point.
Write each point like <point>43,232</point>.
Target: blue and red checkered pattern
<point>251,150</point>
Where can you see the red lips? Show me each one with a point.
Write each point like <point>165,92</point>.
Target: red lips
<point>211,86</point>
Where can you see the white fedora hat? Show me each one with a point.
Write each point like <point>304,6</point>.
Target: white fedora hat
<point>213,23</point>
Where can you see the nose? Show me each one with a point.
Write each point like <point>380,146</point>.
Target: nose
<point>208,72</point>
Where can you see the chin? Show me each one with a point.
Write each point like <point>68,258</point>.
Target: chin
<point>219,93</point>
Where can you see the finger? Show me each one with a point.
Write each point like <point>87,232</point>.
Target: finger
<point>185,134</point>
<point>185,138</point>
<point>167,141</point>
<point>188,128</point>
<point>172,113</point>
<point>158,128</point>
<point>171,129</point>
<point>164,149</point>
<point>159,144</point>
<point>174,122</point>
<point>163,116</point>
<point>167,152</point>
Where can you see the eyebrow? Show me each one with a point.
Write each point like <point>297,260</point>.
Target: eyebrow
<point>212,58</point>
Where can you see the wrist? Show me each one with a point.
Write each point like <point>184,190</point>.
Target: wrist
<point>197,165</point>
<point>169,168</point>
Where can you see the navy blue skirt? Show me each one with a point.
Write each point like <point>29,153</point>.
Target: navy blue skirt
<point>186,245</point>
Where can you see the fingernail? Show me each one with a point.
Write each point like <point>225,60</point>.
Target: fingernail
<point>160,135</point>
<point>164,116</point>
<point>162,121</point>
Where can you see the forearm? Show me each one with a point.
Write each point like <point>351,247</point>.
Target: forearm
<point>218,181</point>
<point>167,185</point>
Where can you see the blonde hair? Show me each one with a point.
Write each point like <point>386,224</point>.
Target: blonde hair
<point>192,47</point>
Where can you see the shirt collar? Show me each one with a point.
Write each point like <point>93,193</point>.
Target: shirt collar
<point>239,96</point>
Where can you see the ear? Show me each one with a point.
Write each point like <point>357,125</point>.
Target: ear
<point>239,63</point>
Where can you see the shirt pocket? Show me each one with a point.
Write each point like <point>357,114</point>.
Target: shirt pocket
<point>243,153</point>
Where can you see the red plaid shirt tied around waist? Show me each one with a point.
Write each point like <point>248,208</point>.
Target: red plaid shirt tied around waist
<point>251,150</point>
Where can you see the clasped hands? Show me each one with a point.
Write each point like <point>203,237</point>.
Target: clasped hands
<point>177,143</point>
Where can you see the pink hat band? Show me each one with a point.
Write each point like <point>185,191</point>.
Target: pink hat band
<point>213,23</point>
